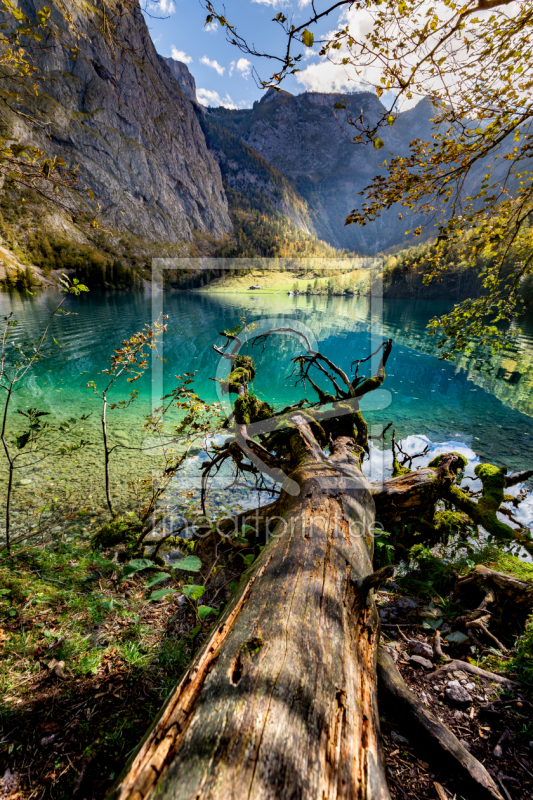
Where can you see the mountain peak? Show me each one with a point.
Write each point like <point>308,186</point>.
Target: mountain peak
<point>271,95</point>
<point>182,74</point>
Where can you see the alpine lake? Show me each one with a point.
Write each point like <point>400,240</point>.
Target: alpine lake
<point>481,408</point>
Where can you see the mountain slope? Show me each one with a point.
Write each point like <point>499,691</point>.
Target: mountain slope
<point>302,138</point>
<point>119,112</point>
<point>270,217</point>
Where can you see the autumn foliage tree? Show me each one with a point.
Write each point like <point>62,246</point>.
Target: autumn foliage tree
<point>474,60</point>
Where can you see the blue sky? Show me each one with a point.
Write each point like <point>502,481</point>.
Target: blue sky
<point>223,74</point>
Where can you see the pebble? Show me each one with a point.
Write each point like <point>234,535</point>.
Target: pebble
<point>421,662</point>
<point>397,739</point>
<point>406,602</point>
<point>470,687</point>
<point>418,648</point>
<point>460,675</point>
<point>457,694</point>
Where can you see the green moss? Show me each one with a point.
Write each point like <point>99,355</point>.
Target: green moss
<point>438,460</point>
<point>117,531</point>
<point>397,468</point>
<point>247,363</point>
<point>511,565</point>
<point>249,408</point>
<point>493,480</point>
<point>242,374</point>
<point>448,522</point>
<point>362,429</point>
<point>253,646</point>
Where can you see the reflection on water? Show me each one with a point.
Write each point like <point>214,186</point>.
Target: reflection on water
<point>486,406</point>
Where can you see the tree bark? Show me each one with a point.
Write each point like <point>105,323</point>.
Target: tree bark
<point>281,701</point>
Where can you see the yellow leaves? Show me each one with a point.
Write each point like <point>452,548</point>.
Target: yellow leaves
<point>378,143</point>
<point>308,38</point>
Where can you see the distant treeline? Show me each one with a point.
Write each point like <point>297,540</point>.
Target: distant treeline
<point>403,273</point>
<point>89,265</point>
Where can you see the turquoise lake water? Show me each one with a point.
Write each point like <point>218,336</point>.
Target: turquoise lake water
<point>486,407</point>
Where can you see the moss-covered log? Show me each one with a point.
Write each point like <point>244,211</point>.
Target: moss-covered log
<point>242,374</point>
<point>414,495</point>
<point>484,512</point>
<point>281,701</point>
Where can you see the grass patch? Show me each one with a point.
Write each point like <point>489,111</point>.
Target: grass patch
<point>118,658</point>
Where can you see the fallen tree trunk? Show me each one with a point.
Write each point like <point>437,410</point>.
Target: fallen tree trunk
<point>281,701</point>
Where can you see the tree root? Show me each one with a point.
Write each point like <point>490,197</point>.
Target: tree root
<point>498,588</point>
<point>506,601</point>
<point>375,580</point>
<point>437,739</point>
<point>466,666</point>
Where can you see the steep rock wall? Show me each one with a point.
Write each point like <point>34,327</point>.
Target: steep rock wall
<point>119,113</point>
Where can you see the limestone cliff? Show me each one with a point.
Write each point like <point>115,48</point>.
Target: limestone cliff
<point>305,141</point>
<point>119,112</point>
<point>181,73</point>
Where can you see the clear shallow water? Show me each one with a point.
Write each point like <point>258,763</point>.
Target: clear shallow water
<point>487,407</point>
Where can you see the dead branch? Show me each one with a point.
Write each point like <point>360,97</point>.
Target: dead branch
<point>466,666</point>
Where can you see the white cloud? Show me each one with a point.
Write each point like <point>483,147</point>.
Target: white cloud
<point>179,55</point>
<point>213,64</point>
<point>164,7</point>
<point>331,75</point>
<point>327,77</point>
<point>242,65</point>
<point>212,27</point>
<point>208,98</point>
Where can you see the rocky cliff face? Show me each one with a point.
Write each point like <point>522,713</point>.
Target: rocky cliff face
<point>181,73</point>
<point>125,116</point>
<point>248,173</point>
<point>302,138</point>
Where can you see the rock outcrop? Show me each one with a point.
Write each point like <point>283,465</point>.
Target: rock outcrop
<point>123,114</point>
<point>183,76</point>
<point>306,141</point>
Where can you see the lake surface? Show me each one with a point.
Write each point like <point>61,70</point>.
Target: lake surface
<point>486,407</point>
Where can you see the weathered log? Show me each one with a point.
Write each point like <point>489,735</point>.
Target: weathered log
<point>417,491</point>
<point>484,512</point>
<point>504,588</point>
<point>281,701</point>
<point>437,740</point>
<point>504,602</point>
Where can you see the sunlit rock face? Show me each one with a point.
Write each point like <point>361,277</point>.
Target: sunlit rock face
<point>122,114</point>
<point>311,143</point>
